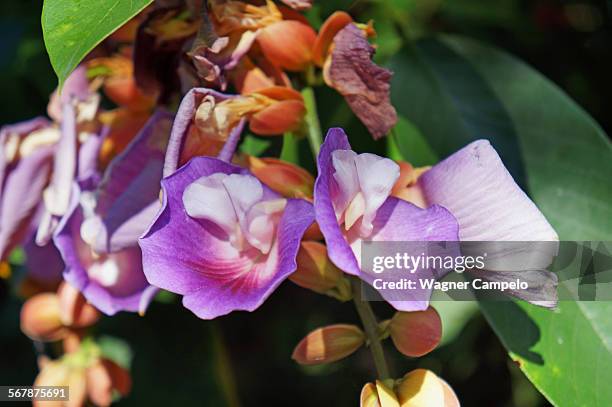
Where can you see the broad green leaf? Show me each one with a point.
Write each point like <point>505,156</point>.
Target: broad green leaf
<point>462,90</point>
<point>73,28</point>
<point>407,143</point>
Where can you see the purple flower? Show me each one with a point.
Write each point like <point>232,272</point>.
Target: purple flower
<point>470,196</point>
<point>222,239</point>
<point>353,205</point>
<point>111,282</point>
<point>98,237</point>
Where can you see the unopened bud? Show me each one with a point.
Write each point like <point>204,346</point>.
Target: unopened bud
<point>422,387</point>
<point>316,272</point>
<point>416,333</point>
<point>378,395</point>
<point>328,344</point>
<point>40,318</point>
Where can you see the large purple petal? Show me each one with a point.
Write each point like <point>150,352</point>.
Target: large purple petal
<point>401,221</point>
<point>192,257</point>
<point>489,206</point>
<point>128,197</point>
<point>44,264</point>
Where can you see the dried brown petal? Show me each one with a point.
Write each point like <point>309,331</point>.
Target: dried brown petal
<point>364,85</point>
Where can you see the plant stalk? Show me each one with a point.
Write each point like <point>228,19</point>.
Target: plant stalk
<point>370,325</point>
<point>313,127</point>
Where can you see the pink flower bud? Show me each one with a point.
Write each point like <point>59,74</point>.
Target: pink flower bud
<point>416,333</point>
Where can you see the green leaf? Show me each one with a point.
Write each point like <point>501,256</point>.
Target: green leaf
<point>407,143</point>
<point>73,28</point>
<point>461,90</point>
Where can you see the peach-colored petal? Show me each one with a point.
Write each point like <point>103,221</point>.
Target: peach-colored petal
<point>334,23</point>
<point>288,44</point>
<point>278,118</point>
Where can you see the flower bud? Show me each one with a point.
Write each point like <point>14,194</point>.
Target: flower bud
<point>75,311</point>
<point>328,344</point>
<point>288,44</point>
<point>316,272</point>
<point>422,387</point>
<point>287,179</point>
<point>378,395</point>
<point>285,112</point>
<point>40,318</point>
<point>416,333</point>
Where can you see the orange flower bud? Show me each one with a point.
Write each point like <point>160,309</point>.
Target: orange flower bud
<point>422,387</point>
<point>416,333</point>
<point>378,395</point>
<point>283,111</point>
<point>287,179</point>
<point>75,311</point>
<point>328,344</point>
<point>406,186</point>
<point>317,273</point>
<point>325,38</point>
<point>40,318</point>
<point>288,44</point>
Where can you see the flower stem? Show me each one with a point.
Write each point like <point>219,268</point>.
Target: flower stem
<point>370,325</point>
<point>223,369</point>
<point>313,126</point>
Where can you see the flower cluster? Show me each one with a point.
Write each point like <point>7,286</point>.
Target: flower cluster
<point>113,205</point>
